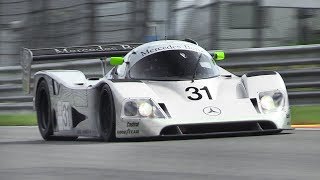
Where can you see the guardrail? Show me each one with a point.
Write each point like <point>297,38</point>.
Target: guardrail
<point>298,65</point>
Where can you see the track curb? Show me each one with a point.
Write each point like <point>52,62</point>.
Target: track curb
<point>306,126</point>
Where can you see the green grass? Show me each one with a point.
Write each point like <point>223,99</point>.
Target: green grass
<point>299,115</point>
<point>29,119</point>
<point>305,114</point>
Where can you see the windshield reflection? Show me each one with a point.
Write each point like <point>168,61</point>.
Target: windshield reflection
<point>174,65</point>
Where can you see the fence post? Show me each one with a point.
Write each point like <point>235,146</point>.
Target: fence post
<point>146,7</point>
<point>259,20</point>
<point>214,27</point>
<point>92,29</point>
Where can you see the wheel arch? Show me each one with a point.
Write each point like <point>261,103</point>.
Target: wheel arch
<point>37,80</point>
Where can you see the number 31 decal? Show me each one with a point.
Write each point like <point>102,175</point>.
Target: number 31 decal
<point>196,95</point>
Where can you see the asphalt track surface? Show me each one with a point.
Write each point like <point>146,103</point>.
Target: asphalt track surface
<point>294,155</point>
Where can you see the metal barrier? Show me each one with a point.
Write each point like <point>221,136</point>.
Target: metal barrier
<point>298,65</point>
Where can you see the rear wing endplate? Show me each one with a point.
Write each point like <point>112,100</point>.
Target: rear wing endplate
<point>28,56</point>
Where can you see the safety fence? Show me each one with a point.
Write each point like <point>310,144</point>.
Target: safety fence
<point>298,65</point>
<point>215,24</point>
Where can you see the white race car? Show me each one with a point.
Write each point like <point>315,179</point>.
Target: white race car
<point>161,88</point>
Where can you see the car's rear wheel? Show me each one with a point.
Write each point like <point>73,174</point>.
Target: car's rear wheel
<point>43,108</point>
<point>106,114</point>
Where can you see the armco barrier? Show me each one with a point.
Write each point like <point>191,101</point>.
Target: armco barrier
<point>298,65</point>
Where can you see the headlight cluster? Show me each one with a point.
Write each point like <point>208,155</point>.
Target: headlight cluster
<point>140,108</point>
<point>271,101</point>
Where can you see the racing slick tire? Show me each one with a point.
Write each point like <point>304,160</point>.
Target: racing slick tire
<point>106,114</point>
<point>43,108</point>
<point>44,114</point>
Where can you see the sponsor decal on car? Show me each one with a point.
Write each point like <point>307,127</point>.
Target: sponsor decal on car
<point>170,47</point>
<point>128,131</point>
<point>87,49</point>
<point>132,124</point>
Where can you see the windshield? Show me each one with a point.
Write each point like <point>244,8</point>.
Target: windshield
<point>174,65</point>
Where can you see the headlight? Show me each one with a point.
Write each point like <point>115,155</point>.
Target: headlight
<point>271,101</point>
<point>130,108</point>
<point>145,109</point>
<point>141,108</point>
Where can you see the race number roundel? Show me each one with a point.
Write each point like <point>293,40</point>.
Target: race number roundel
<point>64,116</point>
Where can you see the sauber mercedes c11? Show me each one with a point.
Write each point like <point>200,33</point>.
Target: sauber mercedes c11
<point>156,89</point>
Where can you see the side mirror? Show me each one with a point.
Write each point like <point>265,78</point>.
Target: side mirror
<point>219,55</point>
<point>115,61</point>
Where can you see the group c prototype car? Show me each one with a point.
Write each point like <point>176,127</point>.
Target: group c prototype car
<point>161,88</point>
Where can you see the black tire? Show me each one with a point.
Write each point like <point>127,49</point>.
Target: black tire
<point>106,114</point>
<point>43,108</point>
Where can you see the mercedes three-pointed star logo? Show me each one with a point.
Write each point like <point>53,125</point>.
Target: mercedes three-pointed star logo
<point>212,111</point>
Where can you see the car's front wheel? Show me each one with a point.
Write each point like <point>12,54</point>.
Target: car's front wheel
<point>43,108</point>
<point>106,114</point>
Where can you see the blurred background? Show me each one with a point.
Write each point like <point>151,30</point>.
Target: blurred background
<point>215,24</point>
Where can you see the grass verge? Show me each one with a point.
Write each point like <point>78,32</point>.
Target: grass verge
<point>305,114</point>
<point>29,119</point>
<point>299,115</point>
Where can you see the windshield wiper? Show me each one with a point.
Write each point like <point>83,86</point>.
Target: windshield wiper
<point>195,69</point>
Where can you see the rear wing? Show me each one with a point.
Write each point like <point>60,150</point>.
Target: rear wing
<point>28,56</point>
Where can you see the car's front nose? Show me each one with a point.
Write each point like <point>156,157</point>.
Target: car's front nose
<point>210,117</point>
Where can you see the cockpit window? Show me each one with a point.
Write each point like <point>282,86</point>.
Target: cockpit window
<point>174,65</point>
